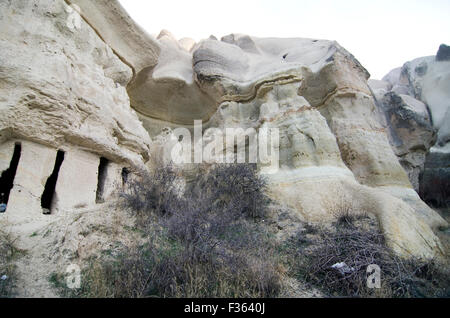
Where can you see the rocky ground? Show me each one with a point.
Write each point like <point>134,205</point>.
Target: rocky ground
<point>50,245</point>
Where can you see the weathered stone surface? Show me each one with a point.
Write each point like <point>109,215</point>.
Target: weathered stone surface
<point>428,80</point>
<point>129,41</point>
<point>6,153</point>
<point>417,104</point>
<point>63,85</point>
<point>168,91</point>
<point>311,176</point>
<point>316,94</point>
<point>35,166</point>
<point>77,181</point>
<point>112,182</point>
<point>411,132</point>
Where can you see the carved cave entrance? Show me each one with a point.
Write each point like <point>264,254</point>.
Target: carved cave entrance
<point>50,185</point>
<point>102,174</point>
<point>7,177</point>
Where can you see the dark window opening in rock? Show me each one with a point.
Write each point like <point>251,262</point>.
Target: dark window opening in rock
<point>50,185</point>
<point>7,177</point>
<point>102,173</point>
<point>125,174</point>
<point>247,149</point>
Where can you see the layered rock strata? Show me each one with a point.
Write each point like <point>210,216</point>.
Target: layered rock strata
<point>65,102</point>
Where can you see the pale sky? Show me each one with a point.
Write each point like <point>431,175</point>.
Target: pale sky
<point>381,34</point>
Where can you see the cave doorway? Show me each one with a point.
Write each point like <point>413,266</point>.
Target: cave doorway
<point>102,174</point>
<point>8,176</point>
<point>50,185</point>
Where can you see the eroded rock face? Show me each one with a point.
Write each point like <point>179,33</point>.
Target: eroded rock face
<point>168,92</point>
<point>416,101</point>
<point>120,32</point>
<point>64,85</point>
<point>62,88</point>
<point>411,132</point>
<point>332,146</point>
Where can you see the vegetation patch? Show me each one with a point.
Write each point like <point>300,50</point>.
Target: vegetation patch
<point>209,240</point>
<point>336,261</point>
<point>8,252</point>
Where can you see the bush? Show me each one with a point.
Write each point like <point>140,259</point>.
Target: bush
<point>233,188</point>
<point>207,242</point>
<point>357,241</point>
<point>236,188</point>
<point>241,263</point>
<point>150,192</point>
<point>210,241</point>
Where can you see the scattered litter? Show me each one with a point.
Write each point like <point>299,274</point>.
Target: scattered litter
<point>4,277</point>
<point>343,268</point>
<point>2,208</point>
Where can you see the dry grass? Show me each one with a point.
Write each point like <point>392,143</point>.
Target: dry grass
<point>7,254</point>
<point>210,242</point>
<point>165,267</point>
<point>357,241</point>
<point>206,243</point>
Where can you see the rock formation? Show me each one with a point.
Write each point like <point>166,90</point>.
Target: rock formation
<point>415,102</point>
<point>63,88</point>
<point>87,103</point>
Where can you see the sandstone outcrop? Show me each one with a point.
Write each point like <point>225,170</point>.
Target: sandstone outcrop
<point>66,97</point>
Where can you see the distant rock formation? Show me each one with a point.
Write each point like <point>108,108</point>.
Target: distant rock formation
<point>89,104</point>
<point>416,101</point>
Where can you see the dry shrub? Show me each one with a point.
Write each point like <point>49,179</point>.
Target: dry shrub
<point>166,267</point>
<point>357,241</point>
<point>7,254</point>
<point>150,192</point>
<point>235,188</point>
<point>207,242</point>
